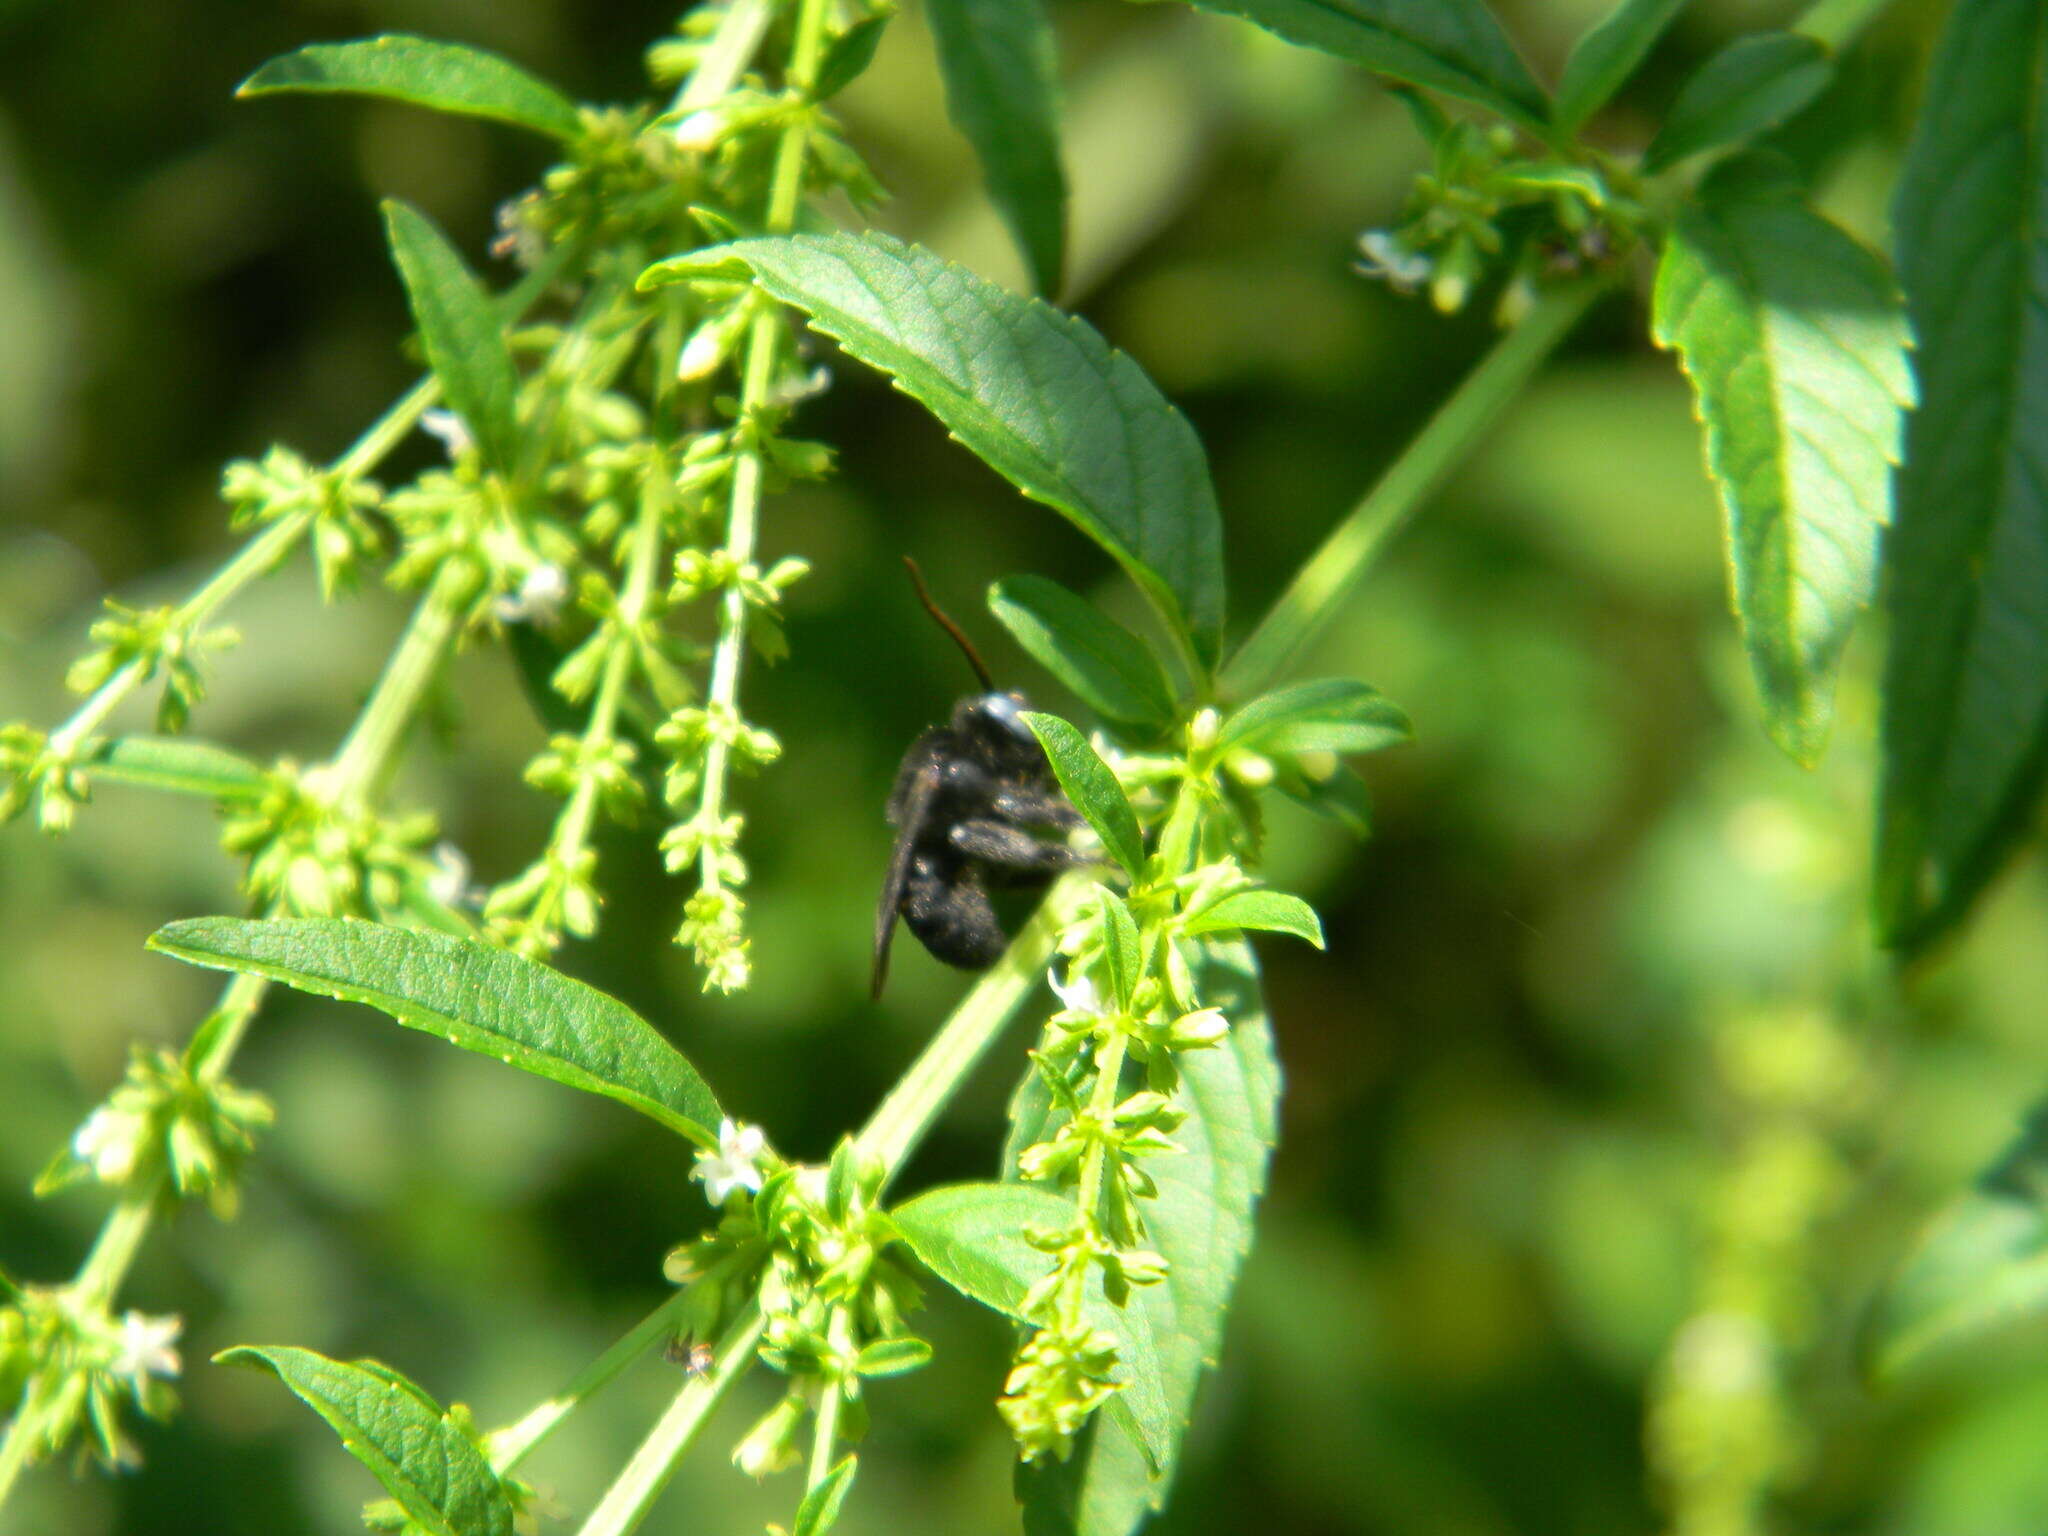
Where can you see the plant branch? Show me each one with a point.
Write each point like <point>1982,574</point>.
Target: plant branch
<point>633,1492</point>
<point>1323,584</point>
<point>513,1445</point>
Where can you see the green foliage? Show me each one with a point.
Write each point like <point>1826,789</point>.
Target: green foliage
<point>1454,46</point>
<point>1092,787</point>
<point>1327,715</point>
<point>1794,341</point>
<point>461,333</point>
<point>1002,89</point>
<point>1038,395</point>
<point>976,1238</point>
<point>1753,84</point>
<point>1604,57</point>
<point>178,766</point>
<point>445,77</point>
<point>819,1511</point>
<point>479,998</point>
<point>1200,1222</point>
<point>1977,1273</point>
<point>423,1455</point>
<point>1966,683</point>
<point>1109,669</point>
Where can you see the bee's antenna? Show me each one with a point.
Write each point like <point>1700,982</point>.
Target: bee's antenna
<point>966,646</point>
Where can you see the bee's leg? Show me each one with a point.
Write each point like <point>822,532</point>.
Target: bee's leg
<point>950,913</point>
<point>998,843</point>
<point>1037,808</point>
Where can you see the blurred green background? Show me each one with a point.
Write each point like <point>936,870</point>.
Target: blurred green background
<point>1600,1112</point>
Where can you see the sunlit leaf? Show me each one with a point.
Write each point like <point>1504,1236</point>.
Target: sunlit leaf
<point>461,330</point>
<point>396,1430</point>
<point>1331,714</point>
<point>446,77</point>
<point>482,999</point>
<point>1093,789</point>
<point>1795,342</point>
<point>178,764</point>
<point>1036,394</point>
<point>1109,669</point>
<point>1264,911</point>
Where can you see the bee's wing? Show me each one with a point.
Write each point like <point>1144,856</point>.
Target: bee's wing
<point>914,803</point>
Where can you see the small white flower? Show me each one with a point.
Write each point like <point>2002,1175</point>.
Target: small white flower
<point>109,1142</point>
<point>735,1165</point>
<point>450,428</point>
<point>704,353</point>
<point>539,598</point>
<point>1386,256</point>
<point>142,1348</point>
<point>1077,991</point>
<point>799,388</point>
<point>449,884</point>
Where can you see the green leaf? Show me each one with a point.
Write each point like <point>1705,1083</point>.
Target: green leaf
<point>1454,46</point>
<point>1965,692</point>
<point>1341,797</point>
<point>178,764</point>
<point>1604,58</point>
<point>819,1511</point>
<point>461,330</point>
<point>1795,343</point>
<point>1981,1268</point>
<point>1201,1222</point>
<point>1001,67</point>
<point>893,1357</point>
<point>1092,787</point>
<point>1108,668</point>
<point>443,76</point>
<point>973,1237</point>
<point>1121,951</point>
<point>1038,395</point>
<point>1327,715</point>
<point>396,1430</point>
<point>852,51</point>
<point>1755,83</point>
<point>482,999</point>
<point>1266,911</point>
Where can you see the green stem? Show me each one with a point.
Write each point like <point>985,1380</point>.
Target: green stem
<point>732,47</point>
<point>825,1437</point>
<point>14,1446</point>
<point>1109,1071</point>
<point>1322,585</point>
<point>743,519</point>
<point>371,747</point>
<point>113,1253</point>
<point>633,1492</point>
<point>644,561</point>
<point>899,1123</point>
<point>513,1445</point>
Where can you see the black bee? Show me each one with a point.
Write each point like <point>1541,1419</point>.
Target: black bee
<point>975,806</point>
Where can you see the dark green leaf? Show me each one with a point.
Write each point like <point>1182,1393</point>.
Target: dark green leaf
<point>1795,343</point>
<point>1109,669</point>
<point>1093,789</point>
<point>973,1237</point>
<point>482,999</point>
<point>1755,83</point>
<point>1202,1223</point>
<point>819,1511</point>
<point>444,76</point>
<point>849,56</point>
<point>1038,395</point>
<point>461,330</point>
<point>1340,796</point>
<point>1001,68</point>
<point>1981,1267</point>
<point>1266,911</point>
<point>396,1430</point>
<point>1330,714</point>
<point>1454,46</point>
<point>1603,59</point>
<point>1965,733</point>
<point>178,764</point>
